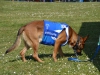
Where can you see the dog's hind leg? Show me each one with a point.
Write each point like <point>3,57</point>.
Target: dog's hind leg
<point>34,44</point>
<point>22,53</point>
<point>35,53</point>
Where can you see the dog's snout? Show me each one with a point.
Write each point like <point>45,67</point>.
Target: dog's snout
<point>79,53</point>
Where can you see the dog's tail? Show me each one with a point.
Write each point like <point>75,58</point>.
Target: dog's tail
<point>17,41</point>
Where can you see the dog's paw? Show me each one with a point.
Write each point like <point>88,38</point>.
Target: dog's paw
<point>24,60</point>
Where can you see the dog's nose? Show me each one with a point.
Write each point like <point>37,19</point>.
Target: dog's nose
<point>79,53</point>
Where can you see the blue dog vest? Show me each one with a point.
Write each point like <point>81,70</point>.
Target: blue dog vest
<point>51,32</point>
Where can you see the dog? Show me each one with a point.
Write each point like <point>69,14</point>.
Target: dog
<point>34,33</point>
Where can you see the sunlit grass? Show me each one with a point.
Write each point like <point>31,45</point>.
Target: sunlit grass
<point>13,15</point>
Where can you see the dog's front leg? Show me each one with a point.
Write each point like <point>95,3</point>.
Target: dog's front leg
<point>59,41</point>
<point>56,48</point>
<point>61,52</point>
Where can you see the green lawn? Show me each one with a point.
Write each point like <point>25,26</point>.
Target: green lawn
<point>84,18</point>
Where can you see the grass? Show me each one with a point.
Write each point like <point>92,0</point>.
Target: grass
<point>84,18</point>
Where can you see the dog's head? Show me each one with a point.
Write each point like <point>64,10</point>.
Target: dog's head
<point>80,44</point>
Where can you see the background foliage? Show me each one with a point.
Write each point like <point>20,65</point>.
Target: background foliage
<point>84,18</point>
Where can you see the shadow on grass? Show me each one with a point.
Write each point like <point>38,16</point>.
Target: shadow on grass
<point>30,57</point>
<point>93,29</point>
<point>48,55</point>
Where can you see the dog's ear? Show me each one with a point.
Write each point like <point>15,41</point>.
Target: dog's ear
<point>85,38</point>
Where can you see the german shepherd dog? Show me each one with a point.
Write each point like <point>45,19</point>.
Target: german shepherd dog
<point>32,34</point>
